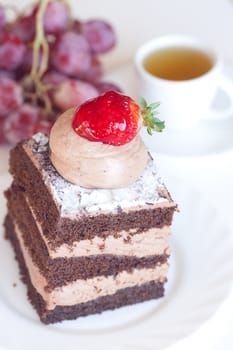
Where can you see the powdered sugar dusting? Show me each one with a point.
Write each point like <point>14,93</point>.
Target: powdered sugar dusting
<point>71,199</point>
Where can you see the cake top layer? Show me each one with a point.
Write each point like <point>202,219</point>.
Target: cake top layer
<point>72,199</point>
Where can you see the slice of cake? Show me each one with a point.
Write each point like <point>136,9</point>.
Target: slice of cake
<point>100,239</point>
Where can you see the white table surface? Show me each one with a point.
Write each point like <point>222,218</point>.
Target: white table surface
<point>212,20</point>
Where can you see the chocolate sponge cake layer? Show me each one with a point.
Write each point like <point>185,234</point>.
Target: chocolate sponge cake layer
<point>34,175</point>
<point>127,296</point>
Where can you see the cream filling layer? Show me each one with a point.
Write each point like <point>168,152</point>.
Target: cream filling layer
<point>151,242</point>
<point>154,241</point>
<point>81,291</point>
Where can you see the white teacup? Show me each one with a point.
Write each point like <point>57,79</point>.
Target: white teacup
<point>185,100</point>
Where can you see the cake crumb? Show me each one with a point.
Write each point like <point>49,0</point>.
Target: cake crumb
<point>127,239</point>
<point>101,246</point>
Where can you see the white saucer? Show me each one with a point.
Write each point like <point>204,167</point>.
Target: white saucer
<point>206,138</point>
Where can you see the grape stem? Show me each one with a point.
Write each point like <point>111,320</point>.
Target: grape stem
<point>40,50</point>
<point>40,43</point>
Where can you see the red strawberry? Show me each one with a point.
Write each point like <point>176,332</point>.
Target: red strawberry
<point>114,119</point>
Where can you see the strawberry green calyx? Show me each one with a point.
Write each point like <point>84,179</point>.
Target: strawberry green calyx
<point>150,121</point>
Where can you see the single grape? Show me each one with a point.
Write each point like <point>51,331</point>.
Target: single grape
<point>11,95</point>
<point>94,73</point>
<point>104,86</point>
<point>19,125</point>
<point>70,54</point>
<point>56,17</point>
<point>99,34</point>
<point>2,17</point>
<point>24,27</point>
<point>12,51</point>
<point>72,92</point>
<point>53,77</point>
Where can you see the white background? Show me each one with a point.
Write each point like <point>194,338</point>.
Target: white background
<point>136,21</point>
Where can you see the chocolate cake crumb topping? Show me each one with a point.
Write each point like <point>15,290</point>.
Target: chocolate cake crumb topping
<point>73,199</point>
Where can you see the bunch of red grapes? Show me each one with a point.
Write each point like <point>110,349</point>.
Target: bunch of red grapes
<point>49,62</point>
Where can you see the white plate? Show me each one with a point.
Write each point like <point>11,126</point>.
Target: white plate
<point>205,138</point>
<point>199,280</point>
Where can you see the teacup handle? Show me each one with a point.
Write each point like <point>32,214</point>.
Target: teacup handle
<point>226,85</point>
